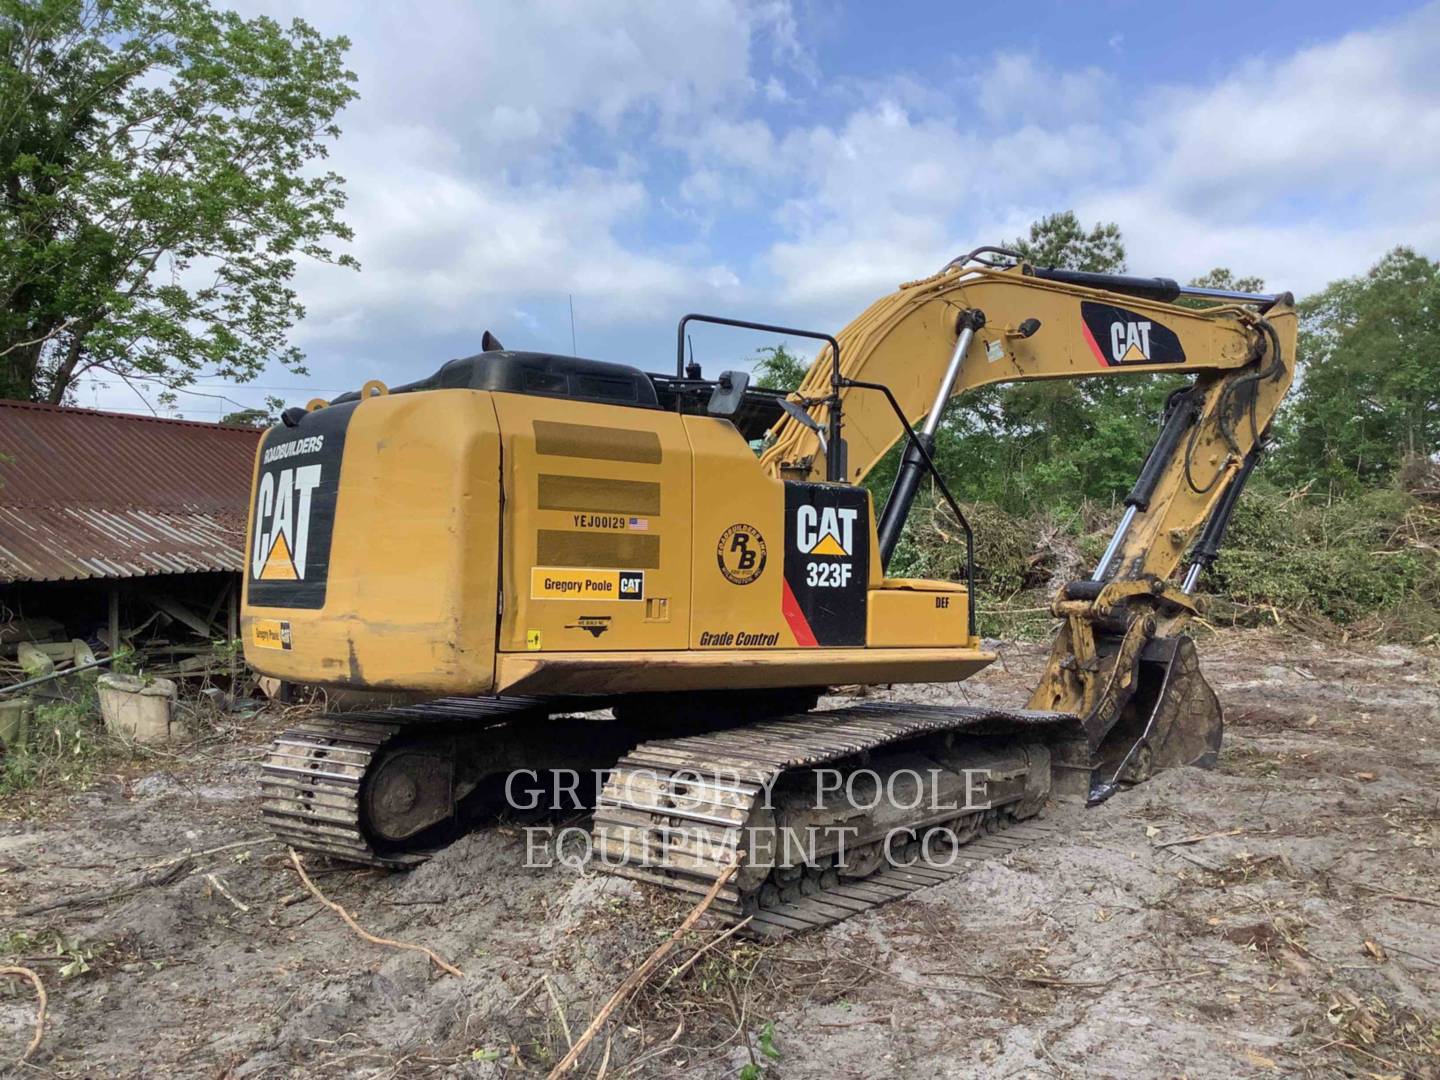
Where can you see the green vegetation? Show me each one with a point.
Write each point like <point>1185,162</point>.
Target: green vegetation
<point>157,187</point>
<point>1370,562</point>
<point>777,368</point>
<point>72,957</point>
<point>1363,566</point>
<point>1369,394</point>
<point>65,746</point>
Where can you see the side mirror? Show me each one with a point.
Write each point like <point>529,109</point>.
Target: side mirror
<point>729,392</point>
<point>800,416</point>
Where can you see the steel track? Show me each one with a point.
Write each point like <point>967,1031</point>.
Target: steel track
<point>674,811</point>
<point>312,781</point>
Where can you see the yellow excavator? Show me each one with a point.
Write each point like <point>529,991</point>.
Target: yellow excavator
<point>554,564</point>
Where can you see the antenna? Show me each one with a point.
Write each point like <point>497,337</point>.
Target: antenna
<point>692,369</point>
<point>574,349</point>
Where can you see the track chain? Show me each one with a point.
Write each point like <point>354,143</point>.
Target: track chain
<point>312,781</point>
<point>673,812</point>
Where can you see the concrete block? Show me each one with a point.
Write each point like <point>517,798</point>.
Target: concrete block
<point>139,708</point>
<point>16,716</point>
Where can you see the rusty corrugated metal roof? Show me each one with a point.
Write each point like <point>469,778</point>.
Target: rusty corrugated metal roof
<point>87,494</point>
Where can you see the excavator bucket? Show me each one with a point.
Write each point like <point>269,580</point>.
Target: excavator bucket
<point>1173,718</point>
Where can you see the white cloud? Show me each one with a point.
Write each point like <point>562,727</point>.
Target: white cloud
<point>1015,87</point>
<point>467,192</point>
<point>447,248</point>
<point>1301,167</point>
<point>1361,114</point>
<point>649,158</point>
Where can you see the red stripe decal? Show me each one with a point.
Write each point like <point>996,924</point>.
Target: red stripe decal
<point>799,625</point>
<point>1090,339</point>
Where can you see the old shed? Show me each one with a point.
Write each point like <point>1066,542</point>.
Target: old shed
<point>118,525</point>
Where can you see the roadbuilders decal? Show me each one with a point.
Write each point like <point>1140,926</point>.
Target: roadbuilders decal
<point>1120,337</point>
<point>741,554</point>
<point>293,515</point>
<point>827,563</point>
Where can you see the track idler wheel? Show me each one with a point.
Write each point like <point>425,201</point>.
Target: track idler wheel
<point>410,790</point>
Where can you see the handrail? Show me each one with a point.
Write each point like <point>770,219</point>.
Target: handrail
<point>834,463</point>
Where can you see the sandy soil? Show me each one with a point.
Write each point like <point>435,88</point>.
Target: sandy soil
<point>1299,936</point>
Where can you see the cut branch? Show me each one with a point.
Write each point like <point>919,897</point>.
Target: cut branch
<point>350,922</point>
<point>26,973</point>
<point>637,978</point>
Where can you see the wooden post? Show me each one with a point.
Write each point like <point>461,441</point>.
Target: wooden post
<point>232,630</point>
<point>114,618</point>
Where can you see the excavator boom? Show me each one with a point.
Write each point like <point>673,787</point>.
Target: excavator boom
<point>1119,660</point>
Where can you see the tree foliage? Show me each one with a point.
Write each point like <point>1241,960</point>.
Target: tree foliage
<point>159,179</point>
<point>1060,241</point>
<point>777,368</point>
<point>1369,387</point>
<point>1222,278</point>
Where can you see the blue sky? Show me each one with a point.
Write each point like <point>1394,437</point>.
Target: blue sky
<point>790,162</point>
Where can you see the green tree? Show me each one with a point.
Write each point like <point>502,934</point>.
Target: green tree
<point>777,368</point>
<point>157,186</point>
<point>1369,380</point>
<point>1060,241</point>
<point>256,416</point>
<point>1222,278</point>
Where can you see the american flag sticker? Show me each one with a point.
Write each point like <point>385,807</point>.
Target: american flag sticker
<point>640,524</point>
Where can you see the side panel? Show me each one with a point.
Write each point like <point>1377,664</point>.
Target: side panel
<point>739,545</point>
<point>919,614</point>
<point>405,595</point>
<point>596,526</point>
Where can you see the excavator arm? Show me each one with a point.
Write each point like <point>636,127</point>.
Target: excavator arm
<point>1119,660</point>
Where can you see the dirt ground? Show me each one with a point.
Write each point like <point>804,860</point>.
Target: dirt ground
<point>1294,929</point>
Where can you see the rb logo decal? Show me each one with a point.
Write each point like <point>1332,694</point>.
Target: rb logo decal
<point>741,554</point>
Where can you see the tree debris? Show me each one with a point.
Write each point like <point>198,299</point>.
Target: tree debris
<point>636,978</point>
<point>350,922</point>
<point>26,973</point>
